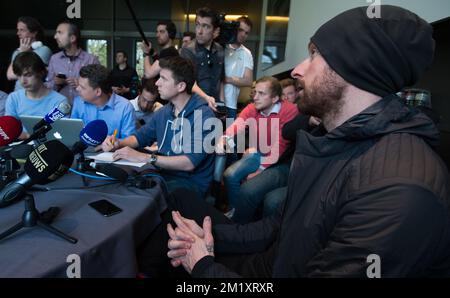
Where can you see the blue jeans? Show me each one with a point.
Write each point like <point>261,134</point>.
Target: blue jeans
<point>237,172</point>
<point>231,116</point>
<point>256,191</point>
<point>231,113</point>
<point>219,166</point>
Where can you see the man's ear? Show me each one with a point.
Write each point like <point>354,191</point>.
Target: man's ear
<point>72,38</point>
<point>98,91</point>
<point>216,33</point>
<point>181,87</point>
<point>44,74</point>
<point>275,99</point>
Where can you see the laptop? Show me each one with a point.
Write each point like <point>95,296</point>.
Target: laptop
<point>65,130</point>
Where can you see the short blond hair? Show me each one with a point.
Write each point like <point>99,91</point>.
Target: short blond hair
<point>275,87</point>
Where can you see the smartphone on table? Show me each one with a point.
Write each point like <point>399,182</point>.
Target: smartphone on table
<point>105,207</point>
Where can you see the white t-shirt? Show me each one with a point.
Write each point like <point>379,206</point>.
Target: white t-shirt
<point>236,61</point>
<point>138,112</point>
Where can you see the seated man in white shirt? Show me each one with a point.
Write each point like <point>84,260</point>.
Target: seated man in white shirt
<point>146,103</point>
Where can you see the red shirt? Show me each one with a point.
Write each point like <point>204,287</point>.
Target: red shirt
<point>262,128</point>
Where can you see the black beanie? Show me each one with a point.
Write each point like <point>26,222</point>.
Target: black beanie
<point>379,55</point>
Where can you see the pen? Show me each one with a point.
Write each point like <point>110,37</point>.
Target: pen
<point>114,136</point>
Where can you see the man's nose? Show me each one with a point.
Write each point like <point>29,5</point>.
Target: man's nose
<point>299,70</point>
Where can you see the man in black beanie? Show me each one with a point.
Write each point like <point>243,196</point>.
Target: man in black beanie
<point>369,198</point>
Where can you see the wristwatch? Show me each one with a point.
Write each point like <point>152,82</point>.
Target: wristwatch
<point>153,159</point>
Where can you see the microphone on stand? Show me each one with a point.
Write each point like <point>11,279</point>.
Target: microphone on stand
<point>46,163</point>
<point>93,134</point>
<point>10,129</point>
<point>57,113</point>
<point>44,126</point>
<point>111,171</point>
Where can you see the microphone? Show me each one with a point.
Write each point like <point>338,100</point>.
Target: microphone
<point>43,126</point>
<point>48,162</point>
<point>10,129</point>
<point>93,134</point>
<point>111,171</point>
<point>57,113</point>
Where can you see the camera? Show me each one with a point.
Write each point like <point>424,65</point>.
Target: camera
<point>221,108</point>
<point>61,76</point>
<point>228,31</point>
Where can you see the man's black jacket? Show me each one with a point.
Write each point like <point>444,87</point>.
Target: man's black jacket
<point>371,186</point>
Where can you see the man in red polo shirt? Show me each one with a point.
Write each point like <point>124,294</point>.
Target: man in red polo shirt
<point>265,118</point>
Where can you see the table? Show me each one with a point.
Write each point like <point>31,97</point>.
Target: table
<point>106,245</point>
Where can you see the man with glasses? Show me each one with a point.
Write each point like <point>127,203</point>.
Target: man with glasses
<point>208,56</point>
<point>147,102</point>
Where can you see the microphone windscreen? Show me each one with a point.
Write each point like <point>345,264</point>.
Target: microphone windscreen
<point>48,162</point>
<point>64,107</point>
<point>10,129</point>
<point>94,133</point>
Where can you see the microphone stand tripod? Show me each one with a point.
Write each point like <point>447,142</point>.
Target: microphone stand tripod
<point>31,218</point>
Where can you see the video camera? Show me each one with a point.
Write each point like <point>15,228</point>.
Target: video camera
<point>228,30</point>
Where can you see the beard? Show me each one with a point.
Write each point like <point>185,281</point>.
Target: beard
<point>323,99</point>
<point>63,45</point>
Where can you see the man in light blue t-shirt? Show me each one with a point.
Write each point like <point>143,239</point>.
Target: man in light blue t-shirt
<point>35,99</point>
<point>97,101</point>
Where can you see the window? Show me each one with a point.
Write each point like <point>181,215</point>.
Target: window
<point>139,59</point>
<point>99,48</point>
<point>277,21</point>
